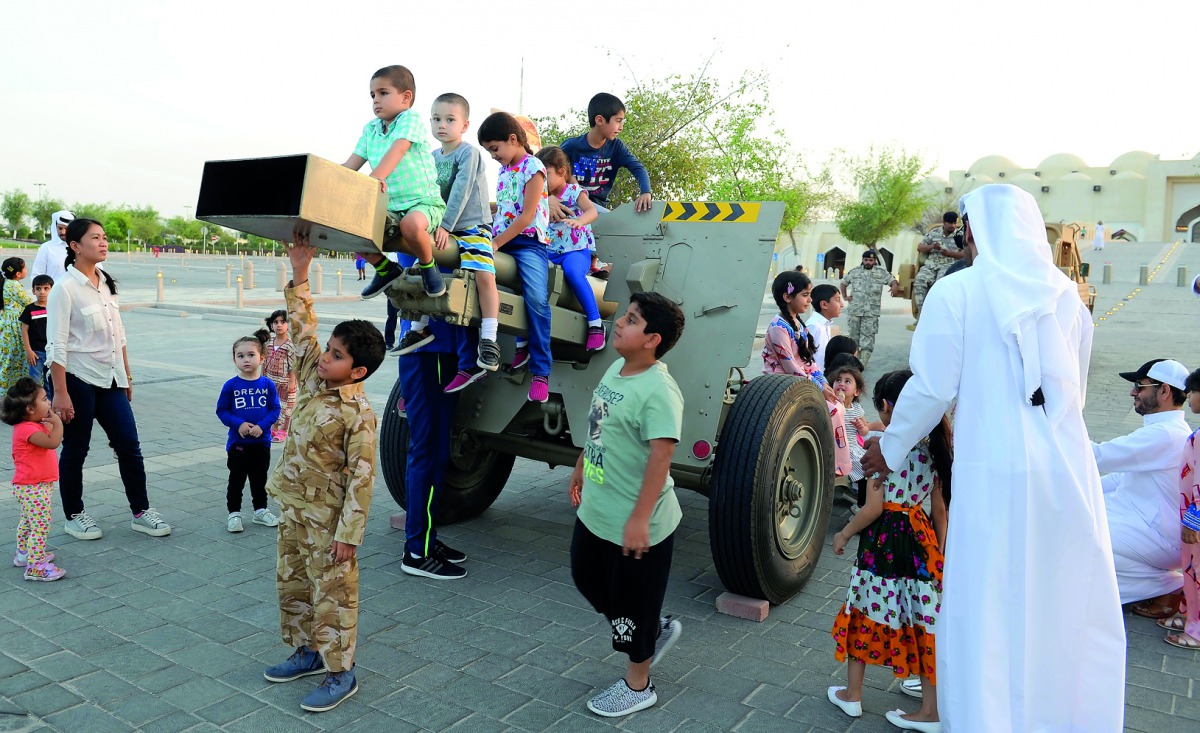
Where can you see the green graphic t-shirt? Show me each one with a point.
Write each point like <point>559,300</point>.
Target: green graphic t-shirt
<point>627,413</point>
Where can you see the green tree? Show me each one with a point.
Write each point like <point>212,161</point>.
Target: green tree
<point>146,223</point>
<point>99,212</point>
<point>117,225</point>
<point>42,210</point>
<point>702,140</point>
<point>891,195</point>
<point>15,208</point>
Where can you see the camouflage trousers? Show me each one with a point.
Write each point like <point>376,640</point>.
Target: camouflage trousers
<point>318,599</point>
<point>924,281</point>
<point>863,329</point>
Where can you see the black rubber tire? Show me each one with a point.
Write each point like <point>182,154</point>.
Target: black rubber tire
<point>777,429</point>
<point>474,478</point>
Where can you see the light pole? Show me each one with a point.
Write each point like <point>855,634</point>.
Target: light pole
<point>204,239</point>
<point>187,212</point>
<point>41,190</point>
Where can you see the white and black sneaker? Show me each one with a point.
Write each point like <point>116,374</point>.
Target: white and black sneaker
<point>668,633</point>
<point>434,567</point>
<point>620,700</point>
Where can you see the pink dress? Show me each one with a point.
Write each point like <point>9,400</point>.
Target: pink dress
<point>1189,496</point>
<point>278,367</point>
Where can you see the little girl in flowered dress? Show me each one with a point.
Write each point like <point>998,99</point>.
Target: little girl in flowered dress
<point>1185,626</point>
<point>891,610</point>
<point>278,367</point>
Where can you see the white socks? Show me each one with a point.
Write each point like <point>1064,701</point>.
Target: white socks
<point>487,330</point>
<point>595,324</point>
<point>421,323</point>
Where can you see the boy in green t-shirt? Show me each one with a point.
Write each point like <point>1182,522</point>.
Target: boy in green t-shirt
<point>625,529</point>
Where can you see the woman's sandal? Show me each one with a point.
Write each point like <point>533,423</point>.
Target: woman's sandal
<point>1183,641</point>
<point>1175,623</point>
<point>1161,607</point>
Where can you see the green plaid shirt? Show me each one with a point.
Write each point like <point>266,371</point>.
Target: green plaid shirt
<point>415,179</point>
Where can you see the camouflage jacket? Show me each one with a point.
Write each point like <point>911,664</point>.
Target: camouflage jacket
<point>938,235</point>
<point>866,289</point>
<point>327,471</point>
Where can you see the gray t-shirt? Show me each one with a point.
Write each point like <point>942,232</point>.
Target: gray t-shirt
<point>464,187</point>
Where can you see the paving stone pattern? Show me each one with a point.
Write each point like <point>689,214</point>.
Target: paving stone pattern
<point>172,634</point>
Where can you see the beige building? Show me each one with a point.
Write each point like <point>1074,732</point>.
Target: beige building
<point>1150,199</point>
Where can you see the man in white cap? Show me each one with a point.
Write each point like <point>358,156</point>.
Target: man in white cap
<point>1141,490</point>
<point>1027,538</point>
<point>52,255</point>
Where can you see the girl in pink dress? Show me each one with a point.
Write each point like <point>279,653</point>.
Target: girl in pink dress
<point>278,367</point>
<point>1185,627</point>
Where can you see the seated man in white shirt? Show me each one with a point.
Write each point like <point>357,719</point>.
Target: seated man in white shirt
<point>1141,490</point>
<point>827,304</point>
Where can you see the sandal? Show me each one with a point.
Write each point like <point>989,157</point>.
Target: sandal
<point>1183,641</point>
<point>1161,607</point>
<point>1175,623</point>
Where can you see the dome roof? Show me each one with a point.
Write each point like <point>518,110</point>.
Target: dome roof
<point>1026,177</point>
<point>1061,164</point>
<point>992,164</point>
<point>1135,161</point>
<point>1128,176</point>
<point>1076,176</point>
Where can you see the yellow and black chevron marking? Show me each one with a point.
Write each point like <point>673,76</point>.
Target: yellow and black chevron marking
<point>733,213</point>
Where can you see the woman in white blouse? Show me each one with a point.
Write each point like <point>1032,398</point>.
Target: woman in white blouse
<point>85,349</point>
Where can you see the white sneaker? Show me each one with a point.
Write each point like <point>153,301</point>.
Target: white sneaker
<point>619,700</point>
<point>911,687</point>
<point>265,518</point>
<point>235,523</point>
<point>668,633</point>
<point>150,523</point>
<point>82,527</point>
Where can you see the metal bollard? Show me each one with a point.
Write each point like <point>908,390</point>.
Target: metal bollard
<point>1144,275</point>
<point>1107,279</point>
<point>249,269</point>
<point>318,279</point>
<point>281,280</point>
<point>339,279</point>
<point>1181,278</point>
<point>240,303</point>
<point>228,272</point>
<point>161,297</point>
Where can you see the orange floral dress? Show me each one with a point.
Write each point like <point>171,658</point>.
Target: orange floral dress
<point>894,598</point>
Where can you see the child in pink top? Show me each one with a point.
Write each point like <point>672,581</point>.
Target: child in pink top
<point>1185,627</point>
<point>789,349</point>
<point>37,431</point>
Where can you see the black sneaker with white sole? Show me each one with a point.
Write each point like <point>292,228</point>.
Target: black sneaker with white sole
<point>488,355</point>
<point>434,567</point>
<point>448,553</point>
<point>413,340</point>
<point>381,280</point>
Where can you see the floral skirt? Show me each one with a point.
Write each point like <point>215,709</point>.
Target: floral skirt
<point>894,597</point>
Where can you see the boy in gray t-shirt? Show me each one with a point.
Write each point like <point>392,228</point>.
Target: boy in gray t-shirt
<point>467,221</point>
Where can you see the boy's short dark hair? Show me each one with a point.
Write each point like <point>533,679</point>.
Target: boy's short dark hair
<point>662,316</point>
<point>605,105</point>
<point>399,76</point>
<point>41,280</point>
<point>950,217</point>
<point>363,342</point>
<point>18,399</point>
<point>452,98</point>
<point>823,294</point>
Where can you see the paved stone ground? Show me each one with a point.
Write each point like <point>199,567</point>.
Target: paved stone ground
<point>172,634</point>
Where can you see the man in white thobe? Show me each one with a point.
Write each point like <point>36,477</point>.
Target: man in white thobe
<point>1098,238</point>
<point>52,255</point>
<point>1027,537</point>
<point>1141,490</point>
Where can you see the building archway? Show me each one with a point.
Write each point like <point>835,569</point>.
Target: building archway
<point>1187,218</point>
<point>1195,229</point>
<point>835,259</point>
<point>886,255</point>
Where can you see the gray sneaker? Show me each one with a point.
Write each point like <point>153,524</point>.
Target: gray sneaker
<point>235,523</point>
<point>668,633</point>
<point>619,700</point>
<point>266,518</point>
<point>150,523</point>
<point>488,355</point>
<point>82,527</point>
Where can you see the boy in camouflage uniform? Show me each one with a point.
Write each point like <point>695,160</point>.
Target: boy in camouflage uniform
<point>323,486</point>
<point>861,289</point>
<point>941,250</point>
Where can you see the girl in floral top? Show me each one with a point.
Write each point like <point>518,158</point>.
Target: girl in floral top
<point>13,300</point>
<point>277,366</point>
<point>891,610</point>
<point>520,230</point>
<point>571,242</point>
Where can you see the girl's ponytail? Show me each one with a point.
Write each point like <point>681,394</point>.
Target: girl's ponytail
<point>9,270</point>
<point>500,126</point>
<point>792,283</point>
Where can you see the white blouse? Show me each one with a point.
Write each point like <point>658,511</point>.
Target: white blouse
<point>84,332</point>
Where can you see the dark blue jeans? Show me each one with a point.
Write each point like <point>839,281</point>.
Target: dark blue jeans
<point>389,326</point>
<point>110,407</point>
<point>423,379</point>
<point>533,266</point>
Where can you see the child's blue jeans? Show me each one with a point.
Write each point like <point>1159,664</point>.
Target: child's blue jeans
<point>38,369</point>
<point>533,265</point>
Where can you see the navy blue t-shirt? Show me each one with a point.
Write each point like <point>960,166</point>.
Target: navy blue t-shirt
<point>596,168</point>
<point>248,400</point>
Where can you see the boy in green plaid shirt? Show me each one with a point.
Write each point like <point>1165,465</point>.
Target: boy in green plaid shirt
<point>396,144</point>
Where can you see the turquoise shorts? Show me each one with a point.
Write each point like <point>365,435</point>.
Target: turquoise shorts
<point>475,250</point>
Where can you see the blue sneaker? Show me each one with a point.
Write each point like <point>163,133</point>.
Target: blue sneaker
<point>336,686</point>
<point>302,663</point>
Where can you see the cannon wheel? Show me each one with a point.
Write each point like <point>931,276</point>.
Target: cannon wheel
<point>474,477</point>
<point>772,489</point>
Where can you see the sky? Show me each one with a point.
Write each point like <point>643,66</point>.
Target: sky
<point>123,101</point>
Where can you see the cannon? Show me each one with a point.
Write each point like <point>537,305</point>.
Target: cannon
<point>761,449</point>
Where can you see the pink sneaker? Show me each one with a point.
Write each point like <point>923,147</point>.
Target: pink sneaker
<point>463,379</point>
<point>45,572</point>
<point>539,389</point>
<point>20,561</point>
<point>595,340</point>
<point>520,358</point>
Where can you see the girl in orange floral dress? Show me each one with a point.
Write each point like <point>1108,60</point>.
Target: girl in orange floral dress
<point>278,367</point>
<point>891,610</point>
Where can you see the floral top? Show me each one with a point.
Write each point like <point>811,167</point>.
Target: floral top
<point>780,355</point>
<point>564,238</point>
<point>1189,485</point>
<point>510,199</point>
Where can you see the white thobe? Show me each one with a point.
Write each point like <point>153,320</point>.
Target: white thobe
<point>821,329</point>
<point>49,259</point>
<point>1098,240</point>
<point>1141,496</point>
<point>1027,538</point>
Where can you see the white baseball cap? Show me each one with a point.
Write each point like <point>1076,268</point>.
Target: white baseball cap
<point>1167,371</point>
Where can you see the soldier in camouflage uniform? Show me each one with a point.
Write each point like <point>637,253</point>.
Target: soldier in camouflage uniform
<point>861,289</point>
<point>940,250</point>
<point>323,486</point>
